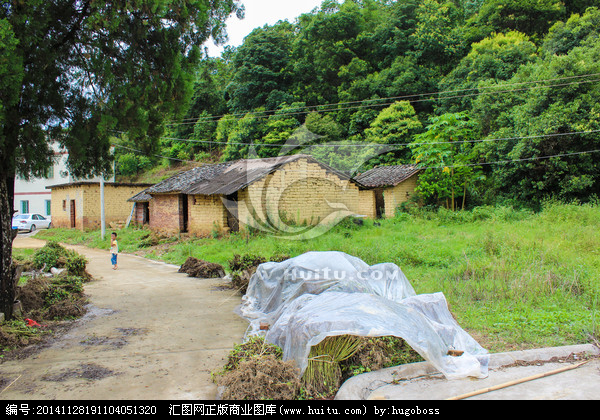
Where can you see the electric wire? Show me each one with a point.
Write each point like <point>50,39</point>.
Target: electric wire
<point>334,107</point>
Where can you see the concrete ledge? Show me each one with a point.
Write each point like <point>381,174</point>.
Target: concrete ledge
<point>360,387</point>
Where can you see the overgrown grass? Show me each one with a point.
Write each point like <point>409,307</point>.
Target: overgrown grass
<point>513,278</point>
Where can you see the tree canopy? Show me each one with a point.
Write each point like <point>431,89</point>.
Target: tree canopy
<point>75,72</point>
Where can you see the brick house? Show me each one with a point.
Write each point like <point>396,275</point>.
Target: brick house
<point>388,187</point>
<point>77,204</point>
<point>256,193</point>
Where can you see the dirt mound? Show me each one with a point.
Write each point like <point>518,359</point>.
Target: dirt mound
<point>47,298</point>
<point>194,267</point>
<point>32,293</point>
<point>259,378</point>
<point>14,336</point>
<point>66,309</point>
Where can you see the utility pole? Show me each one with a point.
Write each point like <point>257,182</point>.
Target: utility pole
<point>102,217</point>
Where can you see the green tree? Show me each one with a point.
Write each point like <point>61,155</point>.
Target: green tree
<point>247,131</point>
<point>564,36</point>
<point>326,42</point>
<point>448,160</point>
<point>396,124</point>
<point>279,130</point>
<point>497,57</point>
<point>209,95</point>
<point>79,69</point>
<point>541,159</point>
<point>260,64</point>
<point>129,164</point>
<point>436,39</point>
<point>531,17</point>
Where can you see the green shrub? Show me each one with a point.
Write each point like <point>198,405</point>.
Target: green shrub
<point>76,263</point>
<point>50,255</point>
<point>63,288</point>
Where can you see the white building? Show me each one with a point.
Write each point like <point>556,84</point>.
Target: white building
<point>33,197</point>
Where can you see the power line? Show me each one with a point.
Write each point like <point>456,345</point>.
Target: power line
<point>160,156</point>
<point>533,158</point>
<point>382,144</point>
<point>311,108</point>
<point>513,160</point>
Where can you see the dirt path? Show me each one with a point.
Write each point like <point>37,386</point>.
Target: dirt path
<point>151,333</point>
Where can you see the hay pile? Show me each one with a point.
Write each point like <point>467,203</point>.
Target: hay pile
<point>244,266</point>
<point>194,267</point>
<point>45,298</point>
<point>261,378</point>
<point>255,371</point>
<point>52,298</point>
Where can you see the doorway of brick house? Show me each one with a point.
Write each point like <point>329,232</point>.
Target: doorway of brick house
<point>73,216</point>
<point>183,213</point>
<point>231,205</point>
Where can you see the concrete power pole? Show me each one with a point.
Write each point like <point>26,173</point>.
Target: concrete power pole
<point>102,216</point>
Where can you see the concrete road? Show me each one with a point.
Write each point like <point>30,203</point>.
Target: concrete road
<point>420,381</point>
<point>150,333</point>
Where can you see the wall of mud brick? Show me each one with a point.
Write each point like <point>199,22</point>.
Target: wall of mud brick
<point>164,213</point>
<point>395,196</point>
<point>87,204</point>
<point>207,215</point>
<point>300,193</point>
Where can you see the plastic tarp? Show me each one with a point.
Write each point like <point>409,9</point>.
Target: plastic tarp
<point>319,294</point>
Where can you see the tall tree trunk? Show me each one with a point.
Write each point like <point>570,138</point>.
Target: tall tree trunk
<point>7,271</point>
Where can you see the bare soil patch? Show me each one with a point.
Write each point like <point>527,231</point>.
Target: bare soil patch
<point>88,371</point>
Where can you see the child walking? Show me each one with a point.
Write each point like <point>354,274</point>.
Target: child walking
<point>114,249</point>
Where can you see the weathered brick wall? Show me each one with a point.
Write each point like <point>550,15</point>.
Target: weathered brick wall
<point>60,206</point>
<point>399,194</point>
<point>206,214</point>
<point>87,204</point>
<point>367,204</point>
<point>138,216</point>
<point>298,192</point>
<point>116,206</point>
<point>164,213</point>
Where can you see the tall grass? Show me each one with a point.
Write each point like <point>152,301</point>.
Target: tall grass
<point>513,278</point>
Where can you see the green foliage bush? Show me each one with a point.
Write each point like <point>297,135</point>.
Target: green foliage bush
<point>55,255</point>
<point>76,263</point>
<point>50,255</point>
<point>62,288</point>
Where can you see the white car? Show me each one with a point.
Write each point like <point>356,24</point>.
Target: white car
<point>31,222</point>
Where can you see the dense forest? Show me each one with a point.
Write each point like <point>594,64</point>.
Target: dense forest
<point>498,100</point>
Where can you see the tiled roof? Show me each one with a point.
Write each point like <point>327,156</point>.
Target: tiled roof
<point>224,178</point>
<point>141,197</point>
<point>386,176</point>
<point>241,173</point>
<point>183,180</point>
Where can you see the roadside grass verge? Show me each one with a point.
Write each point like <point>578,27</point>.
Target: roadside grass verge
<point>514,279</point>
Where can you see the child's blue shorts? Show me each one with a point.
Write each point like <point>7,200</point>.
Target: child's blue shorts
<point>113,259</point>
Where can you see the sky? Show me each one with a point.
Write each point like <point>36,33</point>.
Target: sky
<point>258,14</point>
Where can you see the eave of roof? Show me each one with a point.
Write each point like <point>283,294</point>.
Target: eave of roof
<point>387,176</point>
<point>107,184</point>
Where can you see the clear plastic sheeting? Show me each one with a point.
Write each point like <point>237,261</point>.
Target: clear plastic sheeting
<point>305,299</point>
